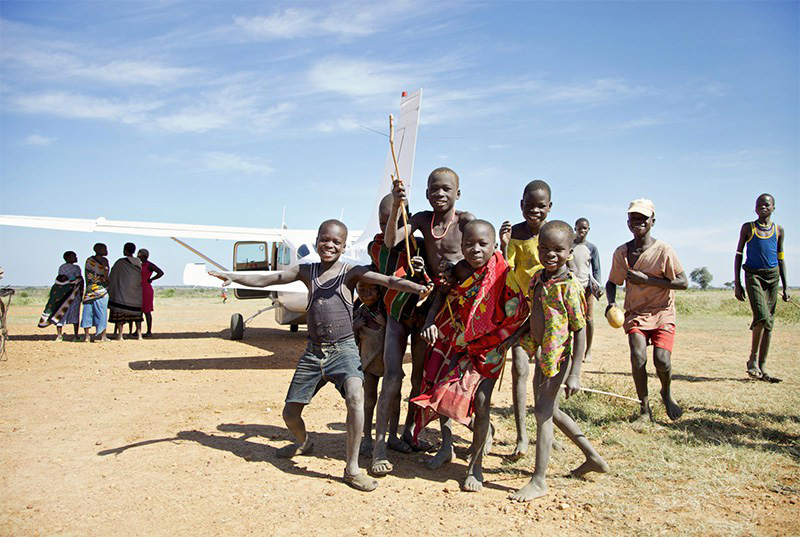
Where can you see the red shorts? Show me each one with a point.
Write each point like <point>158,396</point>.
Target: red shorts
<point>662,337</point>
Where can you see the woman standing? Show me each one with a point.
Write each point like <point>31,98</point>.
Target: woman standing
<point>150,272</point>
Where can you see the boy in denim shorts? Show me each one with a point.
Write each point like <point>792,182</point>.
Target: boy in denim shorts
<point>331,354</point>
<point>651,272</point>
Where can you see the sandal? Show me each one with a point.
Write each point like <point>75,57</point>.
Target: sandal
<point>361,481</point>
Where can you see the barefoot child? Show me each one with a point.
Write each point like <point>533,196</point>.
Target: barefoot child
<point>442,230</point>
<point>473,343</point>
<point>520,242</point>
<point>586,260</point>
<point>369,329</point>
<point>651,272</point>
<point>763,269</point>
<point>557,326</point>
<point>404,320</point>
<point>331,354</point>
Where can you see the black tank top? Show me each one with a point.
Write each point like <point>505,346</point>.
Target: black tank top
<point>330,309</point>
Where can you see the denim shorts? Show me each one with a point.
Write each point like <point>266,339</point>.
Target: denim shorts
<point>95,313</point>
<point>322,363</point>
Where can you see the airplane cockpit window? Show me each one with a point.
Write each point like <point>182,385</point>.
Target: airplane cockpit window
<point>303,251</point>
<point>250,256</point>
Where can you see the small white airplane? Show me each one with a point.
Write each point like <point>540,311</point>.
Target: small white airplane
<point>262,249</point>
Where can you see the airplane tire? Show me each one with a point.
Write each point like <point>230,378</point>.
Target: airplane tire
<point>294,327</point>
<point>237,326</point>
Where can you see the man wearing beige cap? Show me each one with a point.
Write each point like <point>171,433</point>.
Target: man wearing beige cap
<point>651,272</point>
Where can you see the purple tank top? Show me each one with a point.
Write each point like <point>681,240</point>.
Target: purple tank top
<point>330,309</point>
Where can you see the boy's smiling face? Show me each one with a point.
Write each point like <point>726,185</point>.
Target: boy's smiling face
<point>535,207</point>
<point>442,192</point>
<point>581,230</point>
<point>554,249</point>
<point>477,245</point>
<point>640,224</point>
<point>330,243</point>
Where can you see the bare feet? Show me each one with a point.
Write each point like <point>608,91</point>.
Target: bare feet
<point>398,444</point>
<point>366,447</point>
<point>287,452</point>
<point>473,482</point>
<point>59,337</point>
<point>587,358</point>
<point>360,481</point>
<point>767,377</point>
<point>534,489</point>
<point>673,410</point>
<point>521,448</point>
<point>442,457</point>
<point>104,339</point>
<point>643,421</point>
<point>591,464</point>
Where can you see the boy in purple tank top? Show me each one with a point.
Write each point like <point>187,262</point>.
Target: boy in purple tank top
<point>331,354</point>
<point>763,269</point>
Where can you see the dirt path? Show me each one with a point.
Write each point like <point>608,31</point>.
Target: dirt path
<point>177,436</point>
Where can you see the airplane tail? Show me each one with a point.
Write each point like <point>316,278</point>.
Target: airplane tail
<point>405,143</point>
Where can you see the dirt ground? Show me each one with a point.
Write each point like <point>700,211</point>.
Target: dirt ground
<point>176,435</point>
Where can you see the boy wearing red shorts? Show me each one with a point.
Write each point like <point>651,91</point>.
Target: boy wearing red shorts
<point>651,272</point>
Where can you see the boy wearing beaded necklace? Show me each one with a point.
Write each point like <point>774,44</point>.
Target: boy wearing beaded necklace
<point>763,268</point>
<point>442,230</point>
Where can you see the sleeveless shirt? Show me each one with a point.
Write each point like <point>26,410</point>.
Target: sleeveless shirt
<point>330,308</point>
<point>762,251</point>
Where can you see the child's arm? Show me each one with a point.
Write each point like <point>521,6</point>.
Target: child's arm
<point>259,280</point>
<point>505,238</point>
<point>782,264</point>
<point>744,235</point>
<point>392,282</point>
<point>394,235</point>
<point>680,282</point>
<point>573,381</point>
<point>611,294</point>
<point>429,332</point>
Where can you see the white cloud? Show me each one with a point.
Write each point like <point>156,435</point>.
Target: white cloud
<point>356,78</point>
<point>342,124</point>
<point>37,139</point>
<point>229,162</point>
<point>84,107</point>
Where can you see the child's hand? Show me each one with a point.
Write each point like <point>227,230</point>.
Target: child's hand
<point>505,234</point>
<point>572,386</point>
<point>418,264</point>
<point>423,296</point>
<point>595,288</point>
<point>398,193</point>
<point>430,334</point>
<point>786,295</point>
<point>738,292</point>
<point>610,305</point>
<point>226,281</point>
<point>636,276</point>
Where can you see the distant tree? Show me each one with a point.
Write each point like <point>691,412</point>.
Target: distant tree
<point>702,277</point>
<point>728,285</point>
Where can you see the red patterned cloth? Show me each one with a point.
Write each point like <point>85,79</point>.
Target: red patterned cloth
<point>477,325</point>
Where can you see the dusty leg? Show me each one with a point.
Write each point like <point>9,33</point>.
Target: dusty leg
<point>594,462</point>
<point>59,328</point>
<point>753,368</point>
<point>445,453</point>
<point>480,430</point>
<point>138,329</point>
<point>589,336</point>
<point>520,370</point>
<point>393,441</point>
<point>86,337</point>
<point>293,418</point>
<point>118,329</point>
<point>638,345</point>
<point>763,351</point>
<point>370,399</point>
<point>75,330</point>
<point>393,350</point>
<point>418,349</point>
<point>662,357</point>
<point>548,390</point>
<point>354,399</point>
<point>101,336</point>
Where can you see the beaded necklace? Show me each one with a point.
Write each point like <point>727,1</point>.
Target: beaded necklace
<point>437,237</point>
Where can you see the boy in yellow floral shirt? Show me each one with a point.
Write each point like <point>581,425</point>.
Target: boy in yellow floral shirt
<point>558,326</point>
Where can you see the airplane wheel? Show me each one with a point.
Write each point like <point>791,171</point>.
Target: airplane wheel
<point>237,326</point>
<point>293,327</point>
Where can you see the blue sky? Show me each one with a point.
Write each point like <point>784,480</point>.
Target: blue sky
<point>225,112</point>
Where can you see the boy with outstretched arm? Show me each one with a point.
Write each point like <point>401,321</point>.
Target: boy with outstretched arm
<point>331,354</point>
<point>764,269</point>
<point>586,262</point>
<point>651,272</point>
<point>471,323</point>
<point>404,321</point>
<point>558,328</point>
<point>442,230</point>
<point>519,243</point>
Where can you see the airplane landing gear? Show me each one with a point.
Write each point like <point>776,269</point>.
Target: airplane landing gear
<point>237,326</point>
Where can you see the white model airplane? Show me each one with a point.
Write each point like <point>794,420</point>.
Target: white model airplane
<point>261,249</point>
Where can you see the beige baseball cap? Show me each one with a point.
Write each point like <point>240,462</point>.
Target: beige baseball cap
<point>642,206</point>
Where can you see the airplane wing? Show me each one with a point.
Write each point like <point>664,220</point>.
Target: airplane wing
<point>150,229</point>
<point>197,274</point>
